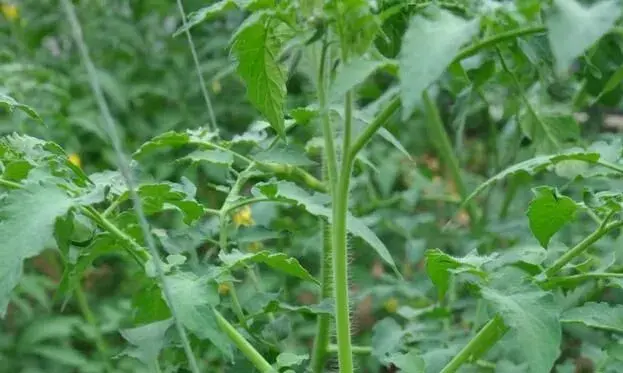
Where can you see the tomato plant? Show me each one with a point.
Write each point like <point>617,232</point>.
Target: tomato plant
<point>478,232</point>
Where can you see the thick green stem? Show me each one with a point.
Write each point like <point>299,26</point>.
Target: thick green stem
<point>446,152</point>
<point>486,337</point>
<point>243,345</point>
<point>377,123</point>
<point>581,247</point>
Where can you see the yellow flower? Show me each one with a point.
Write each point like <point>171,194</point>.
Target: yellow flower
<point>391,305</point>
<point>216,86</point>
<point>75,159</point>
<point>255,247</point>
<point>243,217</point>
<point>223,289</point>
<point>10,11</point>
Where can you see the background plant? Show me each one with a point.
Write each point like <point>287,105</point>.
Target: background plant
<point>479,231</point>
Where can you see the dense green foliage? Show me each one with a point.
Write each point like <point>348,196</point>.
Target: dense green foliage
<point>258,223</point>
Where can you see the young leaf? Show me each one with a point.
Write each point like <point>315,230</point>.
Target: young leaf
<point>531,313</point>
<point>193,299</point>
<point>256,48</point>
<point>573,28</point>
<point>548,212</point>
<point>428,47</point>
<point>278,261</point>
<point>27,220</point>
<point>440,266</point>
<point>596,315</point>
<point>147,341</point>
<point>11,104</point>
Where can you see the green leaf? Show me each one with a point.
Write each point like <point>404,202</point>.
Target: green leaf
<point>27,220</point>
<point>62,355</point>
<point>532,315</point>
<point>158,197</point>
<point>533,166</point>
<point>256,48</point>
<point>352,74</point>
<point>288,359</point>
<point>11,104</point>
<point>429,46</point>
<point>216,156</point>
<point>386,339</point>
<point>440,266</point>
<point>173,139</point>
<point>315,205</point>
<point>573,28</point>
<point>596,315</point>
<point>411,362</point>
<point>549,132</point>
<point>613,82</point>
<point>548,212</point>
<point>147,341</point>
<point>207,13</point>
<point>323,308</point>
<point>193,299</point>
<point>284,154</point>
<point>277,261</point>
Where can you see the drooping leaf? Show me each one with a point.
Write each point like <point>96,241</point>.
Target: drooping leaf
<point>173,139</point>
<point>27,220</point>
<point>352,74</point>
<point>11,104</point>
<point>256,49</point>
<point>596,315</point>
<point>532,315</point>
<point>533,166</point>
<point>573,28</point>
<point>429,46</point>
<point>440,266</point>
<point>548,212</point>
<point>315,205</point>
<point>147,341</point>
<point>207,13</point>
<point>193,299</point>
<point>278,261</point>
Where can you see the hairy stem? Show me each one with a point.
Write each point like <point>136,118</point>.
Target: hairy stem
<point>321,343</point>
